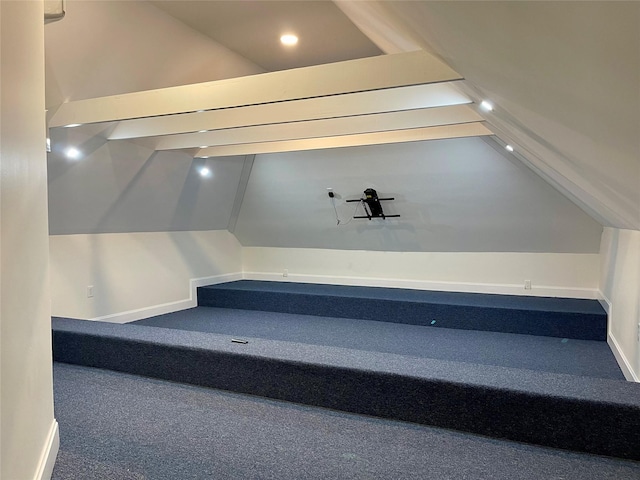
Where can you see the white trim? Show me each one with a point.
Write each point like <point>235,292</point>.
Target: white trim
<point>622,360</point>
<point>624,363</point>
<point>154,310</point>
<point>606,304</point>
<point>49,453</point>
<point>504,289</point>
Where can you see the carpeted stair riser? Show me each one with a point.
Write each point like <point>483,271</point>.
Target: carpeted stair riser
<point>580,326</point>
<point>551,420</point>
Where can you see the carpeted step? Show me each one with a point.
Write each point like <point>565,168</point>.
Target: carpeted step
<point>553,317</point>
<point>593,415</point>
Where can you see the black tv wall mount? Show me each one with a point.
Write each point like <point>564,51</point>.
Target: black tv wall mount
<point>372,206</point>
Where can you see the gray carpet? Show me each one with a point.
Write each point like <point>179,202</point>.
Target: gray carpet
<point>548,354</point>
<point>118,426</point>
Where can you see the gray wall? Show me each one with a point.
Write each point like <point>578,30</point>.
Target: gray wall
<point>453,195</point>
<point>118,186</point>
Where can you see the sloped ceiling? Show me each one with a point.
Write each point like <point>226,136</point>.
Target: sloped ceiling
<point>111,47</point>
<point>558,132</point>
<point>564,77</point>
<point>253,28</point>
<point>124,187</point>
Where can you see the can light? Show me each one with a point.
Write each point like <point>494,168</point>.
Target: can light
<point>72,153</point>
<point>509,148</point>
<point>488,106</point>
<point>205,172</point>
<point>289,39</point>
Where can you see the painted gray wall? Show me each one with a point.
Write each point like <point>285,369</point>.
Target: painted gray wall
<point>118,186</point>
<point>460,195</point>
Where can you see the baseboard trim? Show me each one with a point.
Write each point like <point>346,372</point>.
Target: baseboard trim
<point>620,357</point>
<point>503,289</point>
<point>153,310</point>
<point>622,360</point>
<point>49,453</point>
<point>606,304</point>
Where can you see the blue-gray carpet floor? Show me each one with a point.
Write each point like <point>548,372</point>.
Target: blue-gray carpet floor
<point>115,426</point>
<point>555,355</point>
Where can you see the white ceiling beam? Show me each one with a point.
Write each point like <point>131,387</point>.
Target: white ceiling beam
<point>361,103</point>
<point>373,73</point>
<point>476,129</point>
<point>330,127</point>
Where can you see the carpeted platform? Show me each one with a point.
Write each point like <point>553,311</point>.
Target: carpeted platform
<point>548,354</point>
<point>555,317</point>
<point>115,426</point>
<point>594,415</point>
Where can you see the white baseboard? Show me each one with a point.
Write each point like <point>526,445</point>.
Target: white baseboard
<point>153,310</point>
<point>49,453</point>
<point>605,302</point>
<point>503,289</point>
<point>622,360</point>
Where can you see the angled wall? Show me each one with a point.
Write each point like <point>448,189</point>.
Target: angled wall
<point>563,77</point>
<point>119,186</point>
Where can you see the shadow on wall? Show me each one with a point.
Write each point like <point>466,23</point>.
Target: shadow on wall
<point>102,224</point>
<point>186,204</point>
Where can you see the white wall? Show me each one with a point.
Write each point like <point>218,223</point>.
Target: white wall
<point>620,287</point>
<point>29,435</point>
<point>458,195</point>
<point>137,275</point>
<point>551,274</point>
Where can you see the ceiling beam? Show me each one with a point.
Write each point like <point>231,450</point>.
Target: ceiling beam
<point>360,103</point>
<point>474,129</point>
<point>365,74</point>
<point>331,127</point>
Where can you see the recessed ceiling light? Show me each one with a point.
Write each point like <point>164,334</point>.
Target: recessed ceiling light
<point>509,148</point>
<point>72,153</point>
<point>488,106</point>
<point>204,146</point>
<point>199,111</point>
<point>289,39</point>
<point>71,125</point>
<point>205,172</point>
<point>202,131</point>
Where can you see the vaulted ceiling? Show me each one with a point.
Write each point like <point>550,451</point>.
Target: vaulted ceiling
<point>563,79</point>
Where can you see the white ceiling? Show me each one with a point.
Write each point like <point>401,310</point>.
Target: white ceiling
<point>565,81</point>
<point>563,76</point>
<point>253,29</point>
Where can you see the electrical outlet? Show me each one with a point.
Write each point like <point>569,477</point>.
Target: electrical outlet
<point>90,291</point>
<point>285,273</point>
<point>527,284</point>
